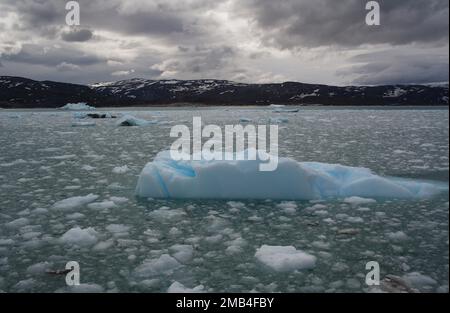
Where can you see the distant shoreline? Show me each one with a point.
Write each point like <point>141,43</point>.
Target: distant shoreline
<point>261,107</point>
<point>19,92</point>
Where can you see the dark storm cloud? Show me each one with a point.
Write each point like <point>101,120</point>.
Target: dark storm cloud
<point>77,34</point>
<point>146,23</point>
<point>302,23</point>
<point>113,15</point>
<point>38,13</point>
<point>395,67</point>
<point>201,60</point>
<point>229,39</point>
<point>38,55</point>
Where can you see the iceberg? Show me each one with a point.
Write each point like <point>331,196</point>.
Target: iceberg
<point>77,106</point>
<point>292,180</point>
<point>129,120</point>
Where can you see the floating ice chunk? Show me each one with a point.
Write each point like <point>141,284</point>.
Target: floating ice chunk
<point>245,120</point>
<point>165,214</point>
<point>101,205</point>
<point>354,219</point>
<point>177,287</point>
<point>80,237</point>
<point>103,245</point>
<point>119,200</point>
<point>358,200</point>
<point>289,207</point>
<point>235,246</point>
<point>214,239</point>
<point>63,157</point>
<point>165,264</point>
<point>26,284</point>
<point>419,280</point>
<point>118,230</point>
<point>39,268</point>
<point>77,106</point>
<point>74,202</point>
<point>129,120</point>
<point>39,211</point>
<point>183,253</point>
<point>236,205</point>
<point>120,169</point>
<point>75,216</point>
<point>6,242</point>
<point>284,258</point>
<point>18,223</point>
<point>15,162</point>
<point>242,179</point>
<point>398,236</point>
<point>87,168</point>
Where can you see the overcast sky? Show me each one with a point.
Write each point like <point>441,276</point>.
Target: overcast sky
<point>259,41</point>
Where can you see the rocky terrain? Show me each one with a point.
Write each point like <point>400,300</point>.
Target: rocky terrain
<point>17,92</point>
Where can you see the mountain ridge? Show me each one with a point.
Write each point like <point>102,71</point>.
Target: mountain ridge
<point>19,92</point>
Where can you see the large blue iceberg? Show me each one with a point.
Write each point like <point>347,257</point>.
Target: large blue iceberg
<point>292,180</point>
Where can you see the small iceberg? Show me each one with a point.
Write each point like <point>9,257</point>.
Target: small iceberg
<point>292,180</point>
<point>129,120</point>
<point>80,106</point>
<point>284,258</point>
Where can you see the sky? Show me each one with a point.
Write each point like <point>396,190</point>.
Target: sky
<point>251,41</point>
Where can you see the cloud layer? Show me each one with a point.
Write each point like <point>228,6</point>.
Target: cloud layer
<point>320,41</point>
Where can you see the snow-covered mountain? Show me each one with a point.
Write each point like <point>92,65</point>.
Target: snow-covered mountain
<point>22,92</point>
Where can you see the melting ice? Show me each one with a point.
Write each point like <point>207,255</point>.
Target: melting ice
<point>292,180</point>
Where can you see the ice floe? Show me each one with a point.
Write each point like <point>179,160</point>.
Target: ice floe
<point>74,202</point>
<point>292,180</point>
<point>120,169</point>
<point>129,120</point>
<point>183,253</point>
<point>419,280</point>
<point>101,205</point>
<point>177,287</point>
<point>165,264</point>
<point>80,237</point>
<point>77,106</point>
<point>284,258</point>
<point>22,221</point>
